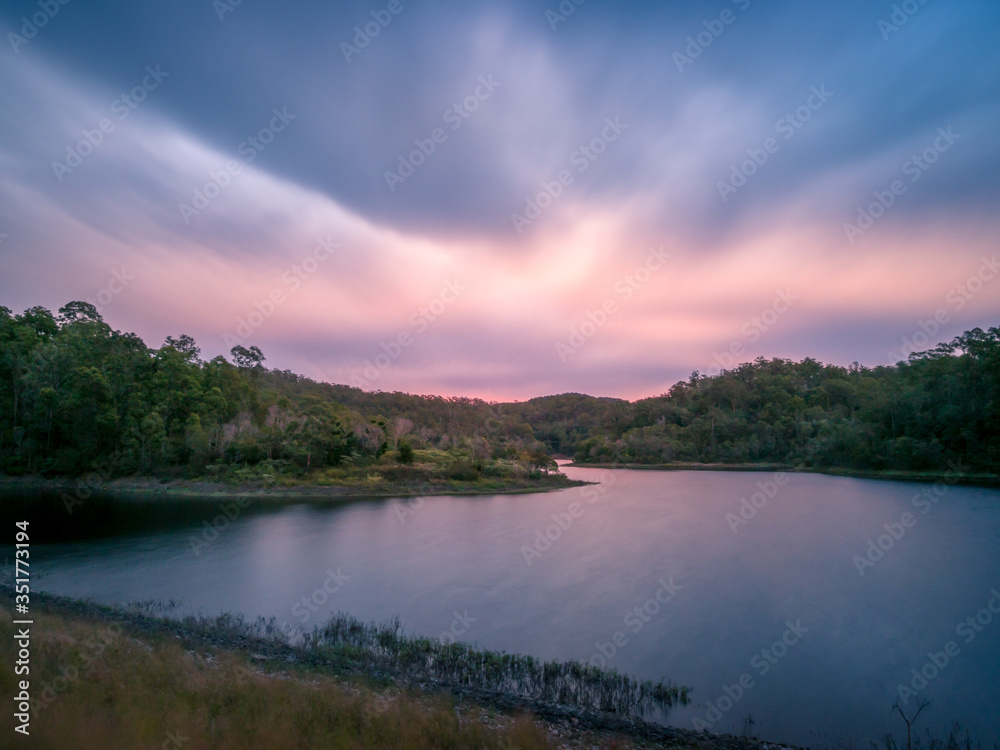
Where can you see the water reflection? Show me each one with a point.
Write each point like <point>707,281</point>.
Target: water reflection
<point>770,622</point>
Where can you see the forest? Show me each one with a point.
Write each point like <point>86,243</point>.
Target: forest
<point>78,397</point>
<point>76,394</point>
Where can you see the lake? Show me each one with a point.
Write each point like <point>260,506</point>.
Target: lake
<point>794,614</point>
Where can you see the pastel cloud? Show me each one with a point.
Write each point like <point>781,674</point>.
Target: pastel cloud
<point>214,273</point>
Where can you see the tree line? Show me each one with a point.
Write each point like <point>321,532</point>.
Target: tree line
<point>75,393</point>
<point>937,410</point>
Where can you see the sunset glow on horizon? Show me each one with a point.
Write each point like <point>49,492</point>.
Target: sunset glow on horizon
<point>574,209</point>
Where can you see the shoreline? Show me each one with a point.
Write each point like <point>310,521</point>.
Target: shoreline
<point>150,488</point>
<point>926,477</point>
<point>266,656</point>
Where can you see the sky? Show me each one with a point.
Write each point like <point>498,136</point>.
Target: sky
<point>507,200</point>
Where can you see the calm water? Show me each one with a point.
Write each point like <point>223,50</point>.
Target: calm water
<point>458,565</point>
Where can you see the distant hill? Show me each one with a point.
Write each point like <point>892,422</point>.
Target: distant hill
<point>75,395</point>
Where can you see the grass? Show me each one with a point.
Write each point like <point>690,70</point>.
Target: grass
<point>350,645</point>
<point>957,739</point>
<point>132,677</point>
<point>123,692</point>
<point>381,647</point>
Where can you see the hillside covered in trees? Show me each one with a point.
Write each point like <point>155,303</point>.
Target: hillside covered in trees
<point>75,394</point>
<point>939,410</point>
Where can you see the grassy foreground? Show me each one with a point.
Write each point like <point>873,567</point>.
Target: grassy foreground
<point>98,686</point>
